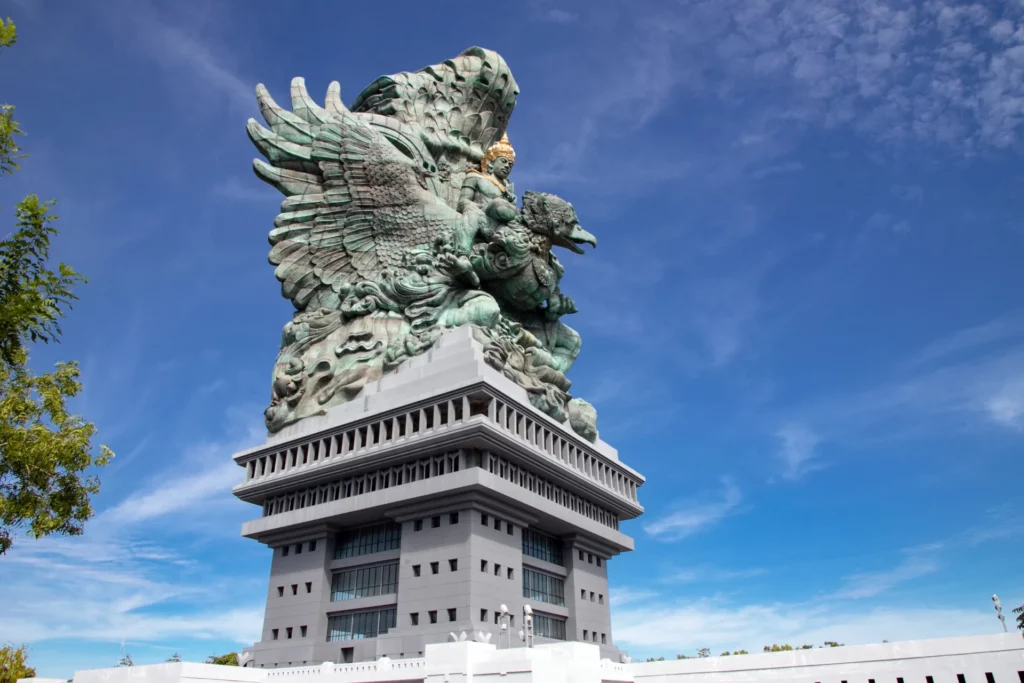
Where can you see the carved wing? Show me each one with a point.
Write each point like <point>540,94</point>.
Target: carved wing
<point>355,203</point>
<point>462,104</point>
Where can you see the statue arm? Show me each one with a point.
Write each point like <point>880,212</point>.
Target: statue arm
<point>468,195</point>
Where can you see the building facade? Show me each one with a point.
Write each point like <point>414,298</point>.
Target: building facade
<point>436,503</point>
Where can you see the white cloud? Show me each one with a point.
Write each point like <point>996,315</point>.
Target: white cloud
<point>709,574</point>
<point>1003,328</point>
<point>696,515</point>
<point>797,450</point>
<point>871,584</point>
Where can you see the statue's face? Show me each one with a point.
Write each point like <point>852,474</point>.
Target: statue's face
<point>501,167</point>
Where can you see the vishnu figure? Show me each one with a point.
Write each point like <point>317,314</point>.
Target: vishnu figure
<point>489,187</point>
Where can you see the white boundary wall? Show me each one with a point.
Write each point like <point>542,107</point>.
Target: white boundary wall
<point>975,658</point>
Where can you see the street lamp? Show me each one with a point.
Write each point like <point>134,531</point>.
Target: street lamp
<point>504,627</point>
<point>527,632</point>
<point>999,611</point>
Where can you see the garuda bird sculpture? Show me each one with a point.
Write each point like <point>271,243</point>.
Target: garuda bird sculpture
<point>400,222</point>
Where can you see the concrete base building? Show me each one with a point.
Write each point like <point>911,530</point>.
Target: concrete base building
<point>437,502</point>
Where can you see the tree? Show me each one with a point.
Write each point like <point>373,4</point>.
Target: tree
<point>174,658</point>
<point>126,660</point>
<point>778,648</point>
<point>832,643</point>
<point>12,663</point>
<point>44,449</point>
<point>1019,611</point>
<point>230,659</point>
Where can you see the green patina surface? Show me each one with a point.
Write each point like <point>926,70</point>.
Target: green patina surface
<point>401,222</point>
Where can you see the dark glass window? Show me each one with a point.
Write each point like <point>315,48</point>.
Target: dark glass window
<point>365,582</point>
<point>453,518</point>
<point>417,525</point>
<point>543,547</point>
<point>435,522</point>
<point>360,625</point>
<point>369,539</point>
<point>547,626</point>
<point>543,587</point>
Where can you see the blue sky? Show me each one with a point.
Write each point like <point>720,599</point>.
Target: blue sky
<point>803,322</point>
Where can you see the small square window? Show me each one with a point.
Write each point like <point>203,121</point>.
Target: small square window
<point>414,618</point>
<point>433,616</point>
<point>309,586</point>
<point>496,616</point>
<point>581,556</point>
<point>591,596</point>
<point>435,522</point>
<point>483,565</point>
<point>288,633</point>
<point>453,565</point>
<point>273,634</point>
<point>298,548</point>
<point>280,591</point>
<point>434,567</point>
<point>511,620</point>
<point>583,594</point>
<point>510,572</point>
<point>497,524</point>
<point>509,528</point>
<point>483,615</point>
<point>302,631</point>
<point>586,634</point>
<point>415,570</point>
<point>451,614</point>
<point>483,518</point>
<point>599,562</point>
<point>453,518</point>
<point>600,599</point>
<point>295,589</point>
<point>312,546</point>
<point>604,639</point>
<point>593,636</point>
<point>417,525</point>
<point>497,569</point>
<point>590,558</point>
<point>284,551</point>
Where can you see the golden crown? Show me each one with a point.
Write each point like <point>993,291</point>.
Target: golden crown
<point>501,148</point>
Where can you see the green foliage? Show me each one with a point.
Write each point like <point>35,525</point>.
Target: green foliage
<point>126,660</point>
<point>230,659</point>
<point>778,648</point>
<point>832,643</point>
<point>1019,611</point>
<point>704,653</point>
<point>13,663</point>
<point>44,450</point>
<point>806,647</point>
<point>174,658</point>
<point>741,652</point>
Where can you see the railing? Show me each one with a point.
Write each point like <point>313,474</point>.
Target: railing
<point>384,669</point>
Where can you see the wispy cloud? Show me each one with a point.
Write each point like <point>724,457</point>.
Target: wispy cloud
<point>798,450</point>
<point>777,169</point>
<point>710,574</point>
<point>870,584</point>
<point>696,514</point>
<point>1004,328</point>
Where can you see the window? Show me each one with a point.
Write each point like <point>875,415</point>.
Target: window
<point>509,528</point>
<point>451,614</point>
<point>366,582</point>
<point>312,546</point>
<point>542,547</point>
<point>543,587</point>
<point>273,634</point>
<point>497,524</point>
<point>497,616</point>
<point>960,678</point>
<point>586,634</point>
<point>604,639</point>
<point>434,567</point>
<point>547,626</point>
<point>483,518</point>
<point>583,594</point>
<point>298,548</point>
<point>295,589</point>
<point>360,625</point>
<point>591,596</point>
<point>483,565</point>
<point>497,569</point>
<point>929,679</point>
<point>453,565</point>
<point>370,539</point>
<point>453,517</point>
<point>417,525</point>
<point>599,562</point>
<point>435,522</point>
<point>590,558</point>
<point>600,599</point>
<point>593,637</point>
<point>433,616</point>
<point>309,586</point>
<point>510,573</point>
<point>581,556</point>
<point>288,633</point>
<point>280,591</point>
<point>483,615</point>
<point>415,570</point>
<point>284,551</point>
<point>989,678</point>
<point>302,631</point>
<point>414,618</point>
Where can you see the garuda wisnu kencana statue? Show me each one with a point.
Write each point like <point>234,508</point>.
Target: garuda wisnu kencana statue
<point>400,222</point>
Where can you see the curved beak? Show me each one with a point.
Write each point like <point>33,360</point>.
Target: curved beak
<point>574,239</point>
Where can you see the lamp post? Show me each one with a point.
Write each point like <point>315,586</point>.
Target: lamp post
<point>999,611</point>
<point>504,627</point>
<point>527,632</point>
